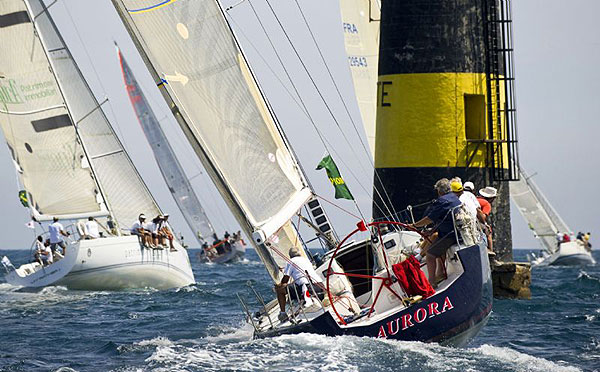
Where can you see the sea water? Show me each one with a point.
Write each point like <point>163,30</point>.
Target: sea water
<point>202,328</point>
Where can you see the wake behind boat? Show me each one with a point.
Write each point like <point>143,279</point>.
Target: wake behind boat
<point>71,166</point>
<point>549,228</point>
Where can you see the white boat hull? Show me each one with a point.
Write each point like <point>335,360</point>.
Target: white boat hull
<point>568,254</point>
<point>113,263</point>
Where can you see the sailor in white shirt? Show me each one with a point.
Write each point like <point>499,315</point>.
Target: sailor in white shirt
<point>56,231</point>
<point>91,228</point>
<point>43,253</point>
<point>297,269</point>
<point>139,229</point>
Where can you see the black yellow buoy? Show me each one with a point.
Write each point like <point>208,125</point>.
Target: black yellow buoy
<point>433,107</point>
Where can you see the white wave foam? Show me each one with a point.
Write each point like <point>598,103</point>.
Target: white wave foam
<point>345,353</point>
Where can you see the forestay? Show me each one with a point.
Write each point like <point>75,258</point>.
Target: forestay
<point>536,210</point>
<point>123,189</point>
<point>170,168</point>
<point>360,22</point>
<point>190,49</point>
<point>50,161</point>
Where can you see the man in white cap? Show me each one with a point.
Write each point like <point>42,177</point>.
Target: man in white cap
<point>297,268</point>
<point>139,230</point>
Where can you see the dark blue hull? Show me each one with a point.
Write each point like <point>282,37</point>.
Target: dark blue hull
<point>461,310</point>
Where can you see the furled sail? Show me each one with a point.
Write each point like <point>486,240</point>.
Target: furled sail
<point>360,22</point>
<point>205,79</point>
<point>42,140</point>
<point>121,186</point>
<point>535,209</point>
<point>172,171</point>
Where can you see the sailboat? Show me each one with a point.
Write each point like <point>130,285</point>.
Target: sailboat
<point>546,224</point>
<point>218,251</point>
<point>204,76</point>
<point>72,165</point>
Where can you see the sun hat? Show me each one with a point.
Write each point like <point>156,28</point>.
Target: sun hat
<point>488,192</point>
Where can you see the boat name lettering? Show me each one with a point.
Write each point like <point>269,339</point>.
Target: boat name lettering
<point>418,316</point>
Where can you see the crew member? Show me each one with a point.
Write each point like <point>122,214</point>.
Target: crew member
<point>297,269</point>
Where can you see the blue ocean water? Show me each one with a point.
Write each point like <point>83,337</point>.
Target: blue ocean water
<point>201,328</point>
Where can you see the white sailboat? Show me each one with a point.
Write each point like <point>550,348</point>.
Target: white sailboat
<point>206,80</point>
<point>546,224</point>
<point>213,249</point>
<point>71,164</point>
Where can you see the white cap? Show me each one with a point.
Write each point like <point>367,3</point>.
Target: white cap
<point>469,186</point>
<point>488,192</point>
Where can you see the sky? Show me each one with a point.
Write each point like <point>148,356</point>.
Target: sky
<point>557,56</point>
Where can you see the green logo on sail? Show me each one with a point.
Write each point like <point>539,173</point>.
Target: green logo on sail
<point>341,189</point>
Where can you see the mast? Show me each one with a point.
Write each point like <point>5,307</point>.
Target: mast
<point>124,195</point>
<point>33,18</point>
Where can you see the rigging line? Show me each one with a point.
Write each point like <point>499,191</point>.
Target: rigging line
<point>313,82</point>
<point>367,152</point>
<point>338,207</point>
<point>295,88</point>
<point>85,49</point>
<point>286,72</point>
<point>317,89</point>
<point>300,104</point>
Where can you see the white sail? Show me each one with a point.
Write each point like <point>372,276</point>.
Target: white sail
<point>360,22</point>
<point>41,138</point>
<point>120,184</point>
<point>536,210</point>
<point>206,81</point>
<point>170,168</point>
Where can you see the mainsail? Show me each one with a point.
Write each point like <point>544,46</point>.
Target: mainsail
<point>194,57</point>
<point>50,161</point>
<point>63,104</point>
<point>536,210</point>
<point>360,21</point>
<point>172,171</point>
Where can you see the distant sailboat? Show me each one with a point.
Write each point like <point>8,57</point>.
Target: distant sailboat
<point>176,179</point>
<point>547,225</point>
<point>72,165</point>
<point>216,99</point>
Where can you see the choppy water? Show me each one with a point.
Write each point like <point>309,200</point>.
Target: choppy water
<point>201,328</point>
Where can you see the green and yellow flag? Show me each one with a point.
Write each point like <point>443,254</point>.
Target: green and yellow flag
<point>23,198</point>
<point>341,190</point>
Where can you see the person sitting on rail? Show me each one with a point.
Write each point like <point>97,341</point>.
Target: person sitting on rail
<point>43,253</point>
<point>152,227</point>
<point>297,268</point>
<point>139,229</point>
<point>439,214</point>
<point>165,231</point>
